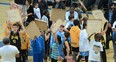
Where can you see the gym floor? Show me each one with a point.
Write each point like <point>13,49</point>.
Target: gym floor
<point>3,17</point>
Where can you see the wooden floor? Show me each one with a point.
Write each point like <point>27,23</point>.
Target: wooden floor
<point>3,18</point>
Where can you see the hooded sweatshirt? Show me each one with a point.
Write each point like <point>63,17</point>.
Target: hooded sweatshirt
<point>74,35</point>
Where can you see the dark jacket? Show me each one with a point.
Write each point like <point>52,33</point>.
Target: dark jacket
<point>61,5</point>
<point>22,2</point>
<point>30,17</point>
<point>43,6</point>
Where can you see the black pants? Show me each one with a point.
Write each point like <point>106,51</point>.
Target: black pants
<point>24,55</point>
<point>79,58</point>
<point>103,55</point>
<point>53,60</point>
<point>18,59</point>
<point>108,36</point>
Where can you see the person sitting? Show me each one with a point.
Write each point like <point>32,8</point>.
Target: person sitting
<point>71,12</point>
<point>58,4</point>
<point>37,13</point>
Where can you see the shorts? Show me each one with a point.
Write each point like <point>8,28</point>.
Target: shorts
<point>86,53</point>
<point>75,49</point>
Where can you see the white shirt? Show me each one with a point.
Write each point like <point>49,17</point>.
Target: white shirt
<point>8,53</point>
<point>68,24</point>
<point>37,12</point>
<point>68,14</point>
<point>84,43</point>
<point>44,18</point>
<point>114,24</point>
<point>94,53</point>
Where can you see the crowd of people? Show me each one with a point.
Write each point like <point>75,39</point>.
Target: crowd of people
<point>70,43</point>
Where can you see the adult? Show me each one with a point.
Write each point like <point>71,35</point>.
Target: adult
<point>43,6</point>
<point>30,12</point>
<point>110,15</point>
<point>58,4</point>
<point>71,12</point>
<point>8,52</point>
<point>75,35</point>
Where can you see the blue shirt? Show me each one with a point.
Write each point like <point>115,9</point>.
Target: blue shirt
<point>61,34</point>
<point>38,45</point>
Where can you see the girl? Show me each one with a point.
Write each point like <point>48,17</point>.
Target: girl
<point>84,44</point>
<point>55,54</point>
<point>46,18</point>
<point>67,45</point>
<point>37,12</point>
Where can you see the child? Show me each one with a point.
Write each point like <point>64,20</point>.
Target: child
<point>25,45</point>
<point>114,39</point>
<point>75,35</point>
<point>37,12</point>
<point>46,18</point>
<point>38,48</point>
<point>55,54</point>
<point>95,48</point>
<point>67,45</point>
<point>69,22</point>
<point>84,44</point>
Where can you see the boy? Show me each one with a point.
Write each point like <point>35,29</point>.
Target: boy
<point>75,35</point>
<point>95,48</point>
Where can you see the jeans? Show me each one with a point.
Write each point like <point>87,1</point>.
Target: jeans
<point>114,45</point>
<point>114,36</point>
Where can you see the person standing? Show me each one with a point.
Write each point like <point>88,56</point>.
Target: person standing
<point>75,36</point>
<point>8,52</point>
<point>114,39</point>
<point>110,15</point>
<point>38,48</point>
<point>14,36</point>
<point>84,44</point>
<point>15,39</point>
<point>95,48</point>
<point>25,45</point>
